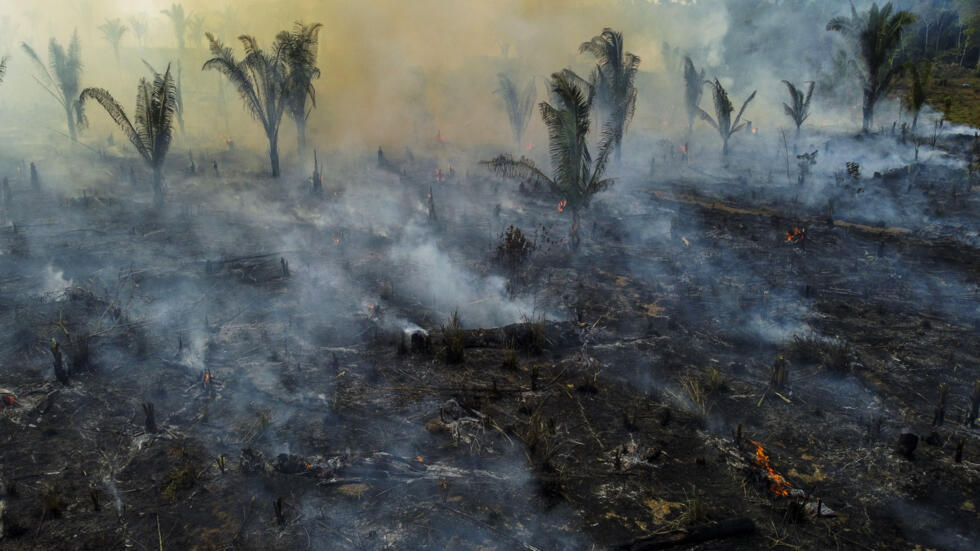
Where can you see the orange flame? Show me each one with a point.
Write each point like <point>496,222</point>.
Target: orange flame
<point>336,240</point>
<point>419,459</point>
<point>562,205</point>
<point>755,130</point>
<point>795,235</point>
<point>684,149</point>
<point>529,147</point>
<point>777,484</point>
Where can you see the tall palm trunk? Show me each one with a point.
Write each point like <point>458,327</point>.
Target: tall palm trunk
<point>158,185</point>
<point>301,136</point>
<point>868,111</point>
<point>574,238</point>
<point>915,122</point>
<point>274,153</point>
<point>72,133</point>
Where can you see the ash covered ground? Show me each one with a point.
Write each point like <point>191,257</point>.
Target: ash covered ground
<point>431,347</point>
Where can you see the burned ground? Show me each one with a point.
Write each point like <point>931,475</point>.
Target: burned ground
<point>309,392</point>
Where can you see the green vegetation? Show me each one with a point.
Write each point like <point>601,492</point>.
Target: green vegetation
<point>63,80</point>
<point>874,35</point>
<point>575,176</point>
<point>152,129</point>
<point>613,79</point>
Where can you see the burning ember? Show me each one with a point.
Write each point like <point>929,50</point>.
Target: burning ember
<point>796,235</point>
<point>529,147</point>
<point>7,399</point>
<point>755,130</point>
<point>684,149</point>
<point>562,205</point>
<point>208,380</point>
<point>777,484</point>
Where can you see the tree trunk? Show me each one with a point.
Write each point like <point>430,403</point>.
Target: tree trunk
<point>915,122</point>
<point>71,124</point>
<point>574,239</point>
<point>869,112</point>
<point>158,185</point>
<point>724,147</point>
<point>274,154</point>
<point>301,136</point>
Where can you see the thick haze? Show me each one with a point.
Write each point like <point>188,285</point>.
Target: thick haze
<point>392,70</point>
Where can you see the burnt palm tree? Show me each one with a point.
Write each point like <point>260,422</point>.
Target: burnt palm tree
<point>614,79</point>
<point>799,107</point>
<point>519,105</point>
<point>261,79</point>
<point>151,131</point>
<point>61,78</point>
<point>576,177</point>
<point>917,93</point>
<point>722,122</point>
<point>875,34</point>
<point>179,20</point>
<point>693,90</point>
<point>298,49</point>
<point>113,31</point>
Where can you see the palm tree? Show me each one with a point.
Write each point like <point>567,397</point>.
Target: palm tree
<point>261,80</point>
<point>615,76</point>
<point>3,67</point>
<point>575,176</point>
<point>62,80</point>
<point>179,20</point>
<point>299,52</point>
<point>693,90</point>
<point>799,107</point>
<point>151,131</point>
<point>178,96</point>
<point>113,31</point>
<point>195,28</point>
<point>920,86</point>
<point>876,34</point>
<point>140,26</point>
<point>518,105</point>
<point>723,122</point>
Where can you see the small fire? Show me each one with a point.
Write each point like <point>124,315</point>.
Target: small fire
<point>442,138</point>
<point>562,205</point>
<point>208,379</point>
<point>419,459</point>
<point>439,177</point>
<point>796,235</point>
<point>755,130</point>
<point>684,149</point>
<point>777,484</point>
<point>7,401</point>
<point>529,147</point>
<point>336,240</point>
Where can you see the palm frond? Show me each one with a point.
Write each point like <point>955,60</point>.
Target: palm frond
<point>118,115</point>
<point>48,80</point>
<point>521,169</point>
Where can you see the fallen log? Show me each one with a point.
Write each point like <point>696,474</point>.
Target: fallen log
<point>729,528</point>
